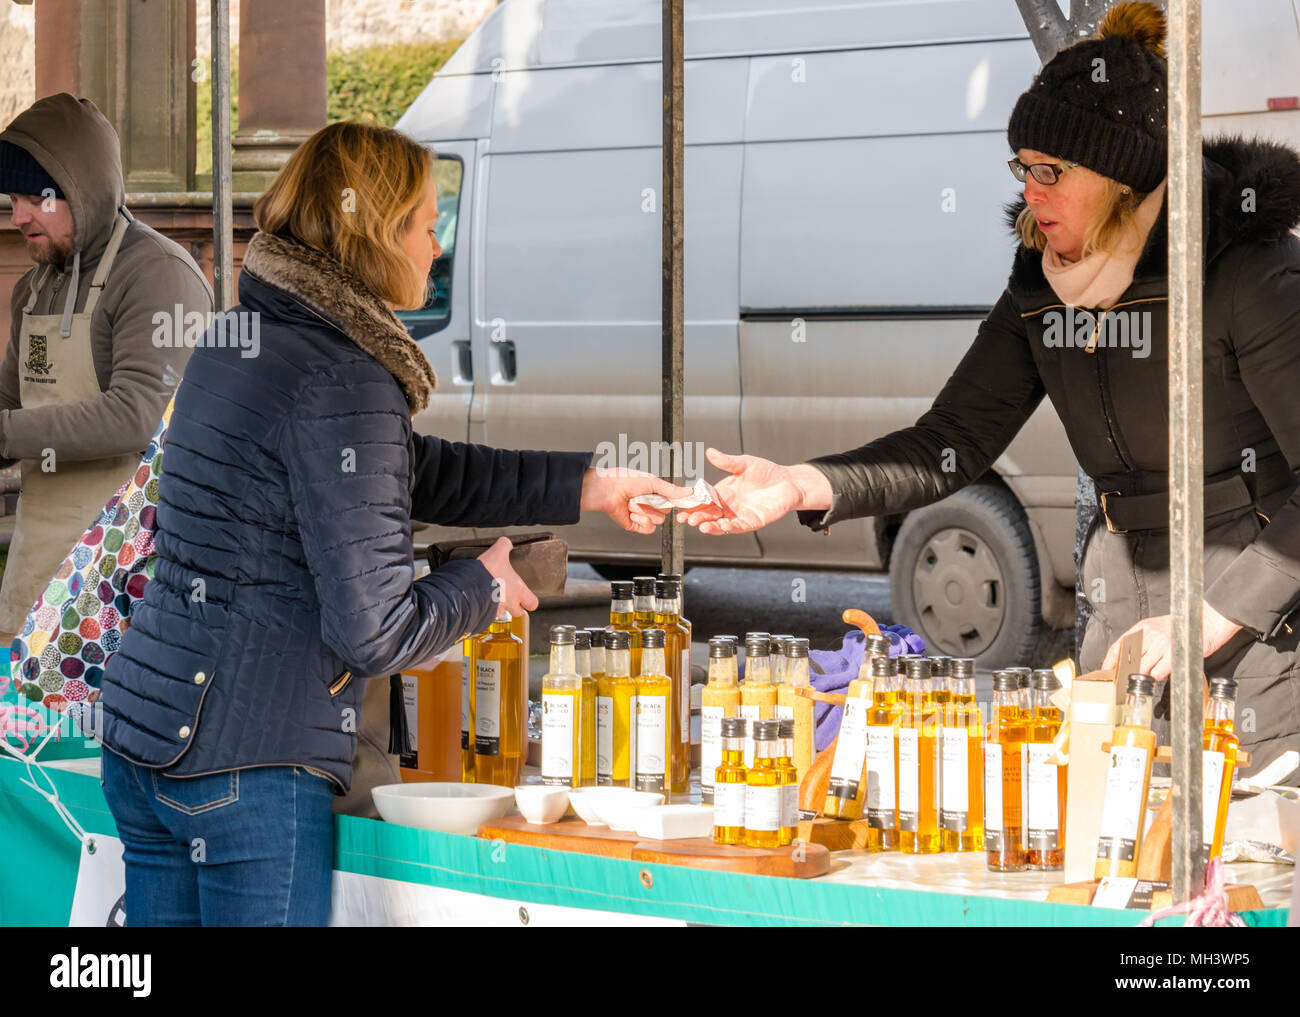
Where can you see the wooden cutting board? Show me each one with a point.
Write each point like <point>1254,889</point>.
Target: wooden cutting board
<point>801,862</point>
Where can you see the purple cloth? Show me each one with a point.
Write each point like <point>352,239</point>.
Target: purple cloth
<point>839,667</point>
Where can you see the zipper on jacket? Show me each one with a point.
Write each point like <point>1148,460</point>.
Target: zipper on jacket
<point>340,683</point>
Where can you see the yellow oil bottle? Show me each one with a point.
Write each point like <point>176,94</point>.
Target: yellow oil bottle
<point>918,763</point>
<point>616,714</point>
<point>1219,757</point>
<point>961,741</point>
<point>789,782</point>
<point>719,700</point>
<point>848,787</point>
<point>883,719</point>
<point>1045,781</point>
<point>682,771</point>
<point>654,717</point>
<point>677,663</point>
<point>467,731</point>
<point>643,613</point>
<point>757,693</point>
<point>622,618</point>
<point>1128,779</point>
<point>794,707</point>
<point>582,657</point>
<point>1003,776</point>
<point>500,726</point>
<point>729,782</point>
<point>562,712</point>
<point>763,788</point>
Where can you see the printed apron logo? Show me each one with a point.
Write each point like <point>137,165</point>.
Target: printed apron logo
<point>37,361</point>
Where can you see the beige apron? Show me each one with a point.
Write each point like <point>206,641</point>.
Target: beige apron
<point>57,504</point>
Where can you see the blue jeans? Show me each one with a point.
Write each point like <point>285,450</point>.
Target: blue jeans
<point>242,847</point>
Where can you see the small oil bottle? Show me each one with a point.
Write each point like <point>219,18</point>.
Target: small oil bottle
<point>1045,781</point>
<point>1024,690</point>
<point>582,654</point>
<point>562,712</point>
<point>794,707</point>
<point>847,787</point>
<point>616,714</point>
<point>622,618</point>
<point>883,718</point>
<point>763,788</point>
<point>1128,778</point>
<point>789,782</point>
<point>597,653</point>
<point>940,669</point>
<point>961,739</point>
<point>757,694</point>
<point>643,612</point>
<point>719,700</point>
<point>500,738</point>
<point>780,658</point>
<point>467,732</point>
<point>654,717</point>
<point>728,781</point>
<point>677,661</point>
<point>918,763</point>
<point>1219,761</point>
<point>1003,820</point>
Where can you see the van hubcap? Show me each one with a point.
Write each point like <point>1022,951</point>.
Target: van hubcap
<point>959,592</point>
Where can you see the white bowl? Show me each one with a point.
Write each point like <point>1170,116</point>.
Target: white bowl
<point>541,803</point>
<point>583,801</point>
<point>619,806</point>
<point>446,807</point>
<point>675,822</point>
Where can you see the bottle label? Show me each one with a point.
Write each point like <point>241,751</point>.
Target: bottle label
<point>784,712</point>
<point>1121,811</point>
<point>751,714</point>
<point>762,807</point>
<point>992,796</point>
<point>729,804</point>
<point>1211,785</point>
<point>631,740</point>
<point>466,683</point>
<point>557,737</point>
<point>954,808</point>
<point>710,743</point>
<point>909,779</point>
<point>684,697</point>
<point>410,754</point>
<point>880,777</point>
<point>487,708</point>
<point>1042,779</point>
<point>604,740</point>
<point>789,805</point>
<point>652,760</point>
<point>850,750</point>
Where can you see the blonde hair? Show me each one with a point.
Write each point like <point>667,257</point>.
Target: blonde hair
<point>350,191</point>
<point>1114,219</point>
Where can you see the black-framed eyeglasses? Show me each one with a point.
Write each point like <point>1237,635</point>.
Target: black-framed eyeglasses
<point>1046,173</point>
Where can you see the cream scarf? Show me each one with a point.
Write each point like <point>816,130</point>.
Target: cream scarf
<point>1100,278</point>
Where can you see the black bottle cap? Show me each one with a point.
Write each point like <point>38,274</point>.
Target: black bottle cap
<point>962,667</point>
<point>766,730</point>
<point>721,647</point>
<point>582,640</point>
<point>733,727</point>
<point>1045,680</point>
<point>1006,681</point>
<point>597,637</point>
<point>883,667</point>
<point>918,667</point>
<point>620,590</point>
<point>618,639</point>
<point>562,635</point>
<point>643,586</point>
<point>652,639</point>
<point>1223,688</point>
<point>668,589</point>
<point>797,647</point>
<point>878,645</point>
<point>1141,685</point>
<point>675,576</point>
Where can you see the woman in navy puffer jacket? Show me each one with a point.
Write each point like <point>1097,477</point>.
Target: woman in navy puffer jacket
<point>285,574</point>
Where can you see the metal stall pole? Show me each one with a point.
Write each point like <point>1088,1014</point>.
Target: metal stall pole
<point>1186,439</point>
<point>672,310</point>
<point>223,222</point>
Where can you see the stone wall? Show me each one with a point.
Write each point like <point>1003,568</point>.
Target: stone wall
<point>17,60</point>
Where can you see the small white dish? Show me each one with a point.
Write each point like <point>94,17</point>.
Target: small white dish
<point>584,804</point>
<point>542,804</point>
<point>445,807</point>
<point>675,822</point>
<point>618,806</point>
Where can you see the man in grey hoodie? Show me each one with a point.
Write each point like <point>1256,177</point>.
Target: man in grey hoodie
<point>82,384</point>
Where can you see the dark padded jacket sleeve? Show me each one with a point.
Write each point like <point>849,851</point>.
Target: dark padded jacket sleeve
<point>356,534</point>
<point>1261,587</point>
<point>457,484</point>
<point>990,395</point>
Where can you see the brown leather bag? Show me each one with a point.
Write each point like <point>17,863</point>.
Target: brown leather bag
<point>540,558</point>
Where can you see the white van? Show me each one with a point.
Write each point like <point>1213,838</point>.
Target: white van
<point>845,182</point>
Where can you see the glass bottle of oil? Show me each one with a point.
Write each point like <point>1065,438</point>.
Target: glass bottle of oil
<point>500,739</point>
<point>597,653</point>
<point>780,658</point>
<point>562,712</point>
<point>467,731</point>
<point>582,654</point>
<point>616,714</point>
<point>1128,779</point>
<point>883,719</point>
<point>940,669</point>
<point>1024,690</point>
<point>847,787</point>
<point>1219,758</point>
<point>794,707</point>
<point>961,740</point>
<point>757,693</point>
<point>622,618</point>
<point>763,788</point>
<point>1045,780</point>
<point>728,783</point>
<point>918,763</point>
<point>654,717</point>
<point>677,661</point>
<point>643,612</point>
<point>1003,819</point>
<point>720,699</point>
<point>789,781</point>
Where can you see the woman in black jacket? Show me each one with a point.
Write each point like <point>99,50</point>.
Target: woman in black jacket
<point>285,575</point>
<point>1084,320</point>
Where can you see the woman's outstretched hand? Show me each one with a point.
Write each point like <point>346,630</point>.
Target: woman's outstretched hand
<point>758,493</point>
<point>610,490</point>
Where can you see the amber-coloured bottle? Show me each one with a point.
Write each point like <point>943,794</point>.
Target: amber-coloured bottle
<point>582,657</point>
<point>729,782</point>
<point>961,741</point>
<point>1045,780</point>
<point>616,714</point>
<point>1219,761</point>
<point>918,763</point>
<point>562,712</point>
<point>677,662</point>
<point>1128,779</point>
<point>848,786</point>
<point>622,618</point>
<point>500,725</point>
<point>763,788</point>
<point>719,699</point>
<point>1003,776</point>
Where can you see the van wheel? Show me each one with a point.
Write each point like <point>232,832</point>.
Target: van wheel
<point>964,575</point>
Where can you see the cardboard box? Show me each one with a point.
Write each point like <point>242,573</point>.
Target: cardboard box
<point>1093,715</point>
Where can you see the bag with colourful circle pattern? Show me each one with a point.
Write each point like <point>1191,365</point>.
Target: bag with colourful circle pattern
<point>77,624</point>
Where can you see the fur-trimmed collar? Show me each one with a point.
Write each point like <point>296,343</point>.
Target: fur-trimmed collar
<point>1251,195</point>
<point>317,280</point>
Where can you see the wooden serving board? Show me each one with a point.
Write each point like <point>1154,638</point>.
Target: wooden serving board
<point>1241,897</point>
<point>803,861</point>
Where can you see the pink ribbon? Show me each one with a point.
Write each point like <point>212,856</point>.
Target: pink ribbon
<point>1209,910</point>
